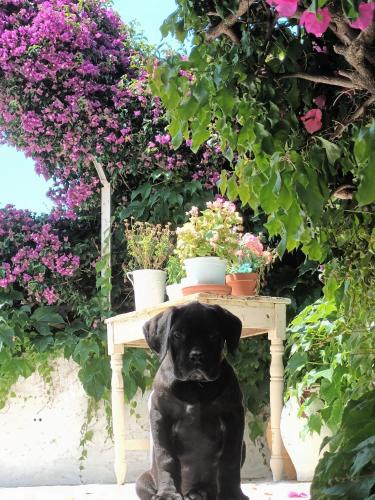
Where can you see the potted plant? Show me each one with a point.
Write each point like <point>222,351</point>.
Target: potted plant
<point>248,265</point>
<point>308,415</point>
<point>206,242</point>
<point>175,273</point>
<point>149,246</point>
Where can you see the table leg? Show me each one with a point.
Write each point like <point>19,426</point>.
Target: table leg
<point>276,390</point>
<point>118,416</point>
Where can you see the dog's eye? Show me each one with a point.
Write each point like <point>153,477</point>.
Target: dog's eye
<point>177,335</point>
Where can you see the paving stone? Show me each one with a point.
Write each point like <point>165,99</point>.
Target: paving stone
<point>255,491</point>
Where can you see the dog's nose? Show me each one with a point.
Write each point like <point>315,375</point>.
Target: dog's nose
<point>196,356</point>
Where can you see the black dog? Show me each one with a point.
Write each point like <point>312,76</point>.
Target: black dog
<point>197,415</point>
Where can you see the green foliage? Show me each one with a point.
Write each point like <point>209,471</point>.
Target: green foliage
<point>346,472</point>
<point>240,96</point>
<point>252,367</point>
<point>165,199</point>
<point>175,270</point>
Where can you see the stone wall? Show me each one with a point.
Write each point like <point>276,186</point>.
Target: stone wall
<point>40,431</point>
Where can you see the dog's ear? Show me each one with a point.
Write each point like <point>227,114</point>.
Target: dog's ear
<point>156,332</point>
<point>231,327</point>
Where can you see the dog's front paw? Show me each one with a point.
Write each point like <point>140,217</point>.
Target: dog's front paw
<point>167,496</point>
<point>196,495</point>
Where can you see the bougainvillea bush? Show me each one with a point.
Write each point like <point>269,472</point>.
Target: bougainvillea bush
<point>73,88</point>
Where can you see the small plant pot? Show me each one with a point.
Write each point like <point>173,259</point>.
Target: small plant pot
<point>174,291</point>
<point>243,283</point>
<point>207,288</point>
<point>149,287</point>
<point>204,270</point>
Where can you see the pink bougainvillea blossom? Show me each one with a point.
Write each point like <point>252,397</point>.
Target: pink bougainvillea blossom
<point>317,23</point>
<point>365,17</point>
<point>312,120</point>
<point>40,255</point>
<point>50,295</point>
<point>320,101</point>
<point>285,8</point>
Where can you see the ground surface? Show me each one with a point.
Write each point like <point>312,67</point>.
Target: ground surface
<point>255,491</point>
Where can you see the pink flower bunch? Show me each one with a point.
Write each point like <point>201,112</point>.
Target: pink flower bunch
<point>253,243</point>
<point>317,22</point>
<point>365,16</point>
<point>250,255</point>
<point>312,120</point>
<point>285,8</point>
<point>33,254</point>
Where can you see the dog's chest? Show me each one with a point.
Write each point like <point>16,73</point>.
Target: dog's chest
<point>199,431</point>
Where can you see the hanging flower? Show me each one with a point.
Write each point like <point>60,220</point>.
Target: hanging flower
<point>320,101</point>
<point>365,17</point>
<point>317,23</point>
<point>285,8</point>
<point>312,120</point>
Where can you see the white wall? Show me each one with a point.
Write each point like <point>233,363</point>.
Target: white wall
<point>40,434</point>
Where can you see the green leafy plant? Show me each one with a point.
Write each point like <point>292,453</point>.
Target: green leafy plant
<point>149,245</point>
<point>175,271</point>
<point>347,471</point>
<point>213,232</point>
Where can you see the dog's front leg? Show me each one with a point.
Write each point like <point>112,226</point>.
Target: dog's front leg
<point>166,464</point>
<point>230,462</point>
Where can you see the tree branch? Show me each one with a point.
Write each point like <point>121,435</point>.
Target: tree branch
<point>355,116</point>
<point>328,80</point>
<point>224,28</point>
<point>341,29</point>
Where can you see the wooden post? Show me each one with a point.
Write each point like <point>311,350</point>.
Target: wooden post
<point>277,336</point>
<point>105,223</point>
<point>116,351</point>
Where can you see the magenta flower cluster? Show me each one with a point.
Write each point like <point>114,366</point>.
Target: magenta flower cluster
<point>39,255</point>
<point>74,87</point>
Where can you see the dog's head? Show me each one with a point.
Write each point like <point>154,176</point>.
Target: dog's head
<point>194,335</point>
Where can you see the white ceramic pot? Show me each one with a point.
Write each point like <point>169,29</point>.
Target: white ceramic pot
<point>149,287</point>
<point>174,291</point>
<point>303,451</point>
<point>205,270</point>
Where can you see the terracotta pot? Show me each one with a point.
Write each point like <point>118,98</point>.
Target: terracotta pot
<point>208,288</point>
<point>289,470</point>
<point>243,283</point>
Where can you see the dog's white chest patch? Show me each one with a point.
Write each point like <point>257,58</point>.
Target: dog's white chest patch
<point>190,409</point>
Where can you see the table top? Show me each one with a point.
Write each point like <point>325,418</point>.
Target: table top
<point>206,298</point>
<point>258,315</point>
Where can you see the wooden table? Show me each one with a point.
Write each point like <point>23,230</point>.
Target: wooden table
<point>259,315</point>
